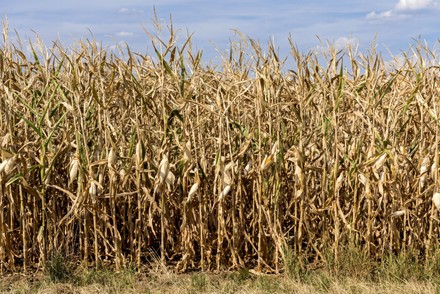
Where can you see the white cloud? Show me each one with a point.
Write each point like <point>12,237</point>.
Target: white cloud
<point>124,34</point>
<point>341,43</point>
<point>414,4</point>
<point>412,59</point>
<point>397,13</point>
<point>344,42</point>
<point>124,10</point>
<point>211,21</point>
<point>130,11</point>
<point>381,15</point>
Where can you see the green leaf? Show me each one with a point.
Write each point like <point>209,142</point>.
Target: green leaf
<point>164,63</point>
<point>55,127</point>
<point>31,125</point>
<point>340,86</point>
<point>14,179</point>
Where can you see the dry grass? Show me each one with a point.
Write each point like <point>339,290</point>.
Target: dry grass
<point>101,154</point>
<point>128,282</point>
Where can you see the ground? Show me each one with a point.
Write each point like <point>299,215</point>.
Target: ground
<point>243,281</point>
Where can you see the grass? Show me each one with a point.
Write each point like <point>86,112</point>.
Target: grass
<point>394,275</point>
<point>84,280</point>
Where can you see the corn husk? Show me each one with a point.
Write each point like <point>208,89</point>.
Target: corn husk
<point>434,168</point>
<point>111,158</point>
<point>339,182</point>
<point>139,153</point>
<point>68,106</point>
<point>424,166</point>
<point>48,176</point>
<point>7,139</point>
<point>247,168</point>
<point>363,179</point>
<point>170,180</point>
<point>10,165</point>
<point>225,192</point>
<point>267,162</point>
<point>73,170</point>
<point>227,179</point>
<point>379,164</point>
<point>3,165</point>
<point>424,171</point>
<point>275,148</point>
<point>187,151</point>
<point>436,200</point>
<point>381,182</point>
<point>192,191</point>
<point>398,213</point>
<point>230,166</point>
<point>164,167</point>
<point>92,189</point>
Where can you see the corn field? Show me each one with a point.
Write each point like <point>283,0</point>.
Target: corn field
<point>110,157</point>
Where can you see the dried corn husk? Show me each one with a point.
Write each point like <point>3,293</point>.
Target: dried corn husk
<point>111,158</point>
<point>224,193</point>
<point>164,167</point>
<point>92,189</point>
<point>73,170</point>
<point>248,167</point>
<point>398,213</point>
<point>170,180</point>
<point>67,106</point>
<point>192,191</point>
<point>230,166</point>
<point>425,165</point>
<point>424,171</point>
<point>187,151</point>
<point>267,162</point>
<point>227,179</point>
<point>434,168</point>
<point>436,200</point>
<point>275,148</point>
<point>6,139</point>
<point>379,164</point>
<point>339,181</point>
<point>48,176</point>
<point>381,182</point>
<point>363,179</point>
<point>10,165</point>
<point>298,174</point>
<point>139,153</point>
<point>3,165</point>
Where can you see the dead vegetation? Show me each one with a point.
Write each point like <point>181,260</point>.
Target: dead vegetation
<point>248,164</point>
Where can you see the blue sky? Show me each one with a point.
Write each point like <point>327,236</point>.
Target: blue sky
<point>396,22</point>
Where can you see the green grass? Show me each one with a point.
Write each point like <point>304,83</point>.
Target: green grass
<point>354,274</point>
